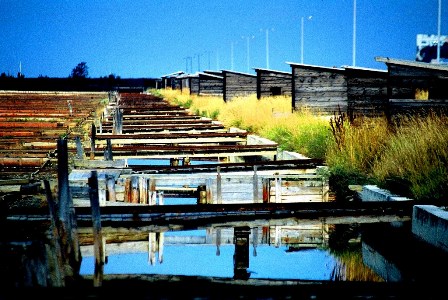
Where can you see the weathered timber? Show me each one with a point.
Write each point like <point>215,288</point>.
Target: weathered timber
<point>273,83</point>
<point>321,89</point>
<point>238,84</point>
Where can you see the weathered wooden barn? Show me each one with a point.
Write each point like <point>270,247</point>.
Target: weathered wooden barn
<point>273,83</point>
<point>210,84</point>
<point>366,91</point>
<point>238,84</point>
<point>171,80</point>
<point>416,86</point>
<point>320,89</point>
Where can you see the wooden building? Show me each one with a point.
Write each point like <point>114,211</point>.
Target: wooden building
<point>273,83</point>
<point>321,89</point>
<point>171,81</point>
<point>366,91</point>
<point>416,86</point>
<point>210,84</point>
<point>238,84</point>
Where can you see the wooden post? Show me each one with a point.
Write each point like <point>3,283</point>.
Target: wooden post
<point>92,142</point>
<point>57,275</point>
<point>108,151</point>
<point>68,230</point>
<point>143,190</point>
<point>208,189</point>
<point>255,185</point>
<point>127,190</point>
<point>186,161</point>
<point>266,190</point>
<point>97,231</point>
<point>161,198</point>
<point>110,184</point>
<point>134,190</point>
<point>201,194</point>
<point>152,191</point>
<point>79,148</point>
<point>278,189</point>
<point>218,186</point>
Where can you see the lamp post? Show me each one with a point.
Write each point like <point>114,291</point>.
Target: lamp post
<point>247,50</point>
<point>302,37</point>
<point>354,34</point>
<point>438,30</point>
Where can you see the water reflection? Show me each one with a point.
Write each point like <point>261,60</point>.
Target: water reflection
<point>297,250</point>
<point>241,252</point>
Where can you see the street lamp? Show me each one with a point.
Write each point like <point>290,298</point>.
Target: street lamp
<point>301,39</point>
<point>267,46</point>
<point>247,52</point>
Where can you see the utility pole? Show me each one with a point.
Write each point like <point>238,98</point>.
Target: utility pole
<point>231,56</point>
<point>267,48</point>
<point>438,31</point>
<point>354,34</point>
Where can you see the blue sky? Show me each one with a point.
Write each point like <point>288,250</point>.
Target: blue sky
<point>150,38</point>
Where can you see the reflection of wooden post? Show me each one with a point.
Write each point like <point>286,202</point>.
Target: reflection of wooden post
<point>241,256</point>
<point>161,240</point>
<point>152,248</point>
<point>97,232</point>
<point>218,241</point>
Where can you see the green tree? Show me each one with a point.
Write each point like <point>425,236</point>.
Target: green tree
<point>80,71</point>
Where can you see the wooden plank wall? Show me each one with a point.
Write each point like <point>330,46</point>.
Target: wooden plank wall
<point>210,85</point>
<point>404,83</point>
<point>238,84</point>
<point>323,90</point>
<point>366,92</point>
<point>194,85</point>
<point>268,81</point>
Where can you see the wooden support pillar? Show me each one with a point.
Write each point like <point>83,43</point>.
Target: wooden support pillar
<point>174,162</point>
<point>97,231</point>
<point>57,275</point>
<point>278,189</point>
<point>110,185</point>
<point>134,189</point>
<point>152,198</point>
<point>68,230</point>
<point>92,142</point>
<point>218,186</point>
<point>127,190</point>
<point>79,148</point>
<point>255,185</point>
<point>201,194</point>
<point>208,188</point>
<point>108,151</point>
<point>161,201</point>
<point>266,190</point>
<point>143,190</point>
<point>186,161</point>
<point>118,122</point>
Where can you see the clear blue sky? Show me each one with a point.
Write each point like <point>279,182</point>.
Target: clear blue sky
<point>151,38</point>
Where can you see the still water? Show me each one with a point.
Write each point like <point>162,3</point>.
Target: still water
<point>315,250</point>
